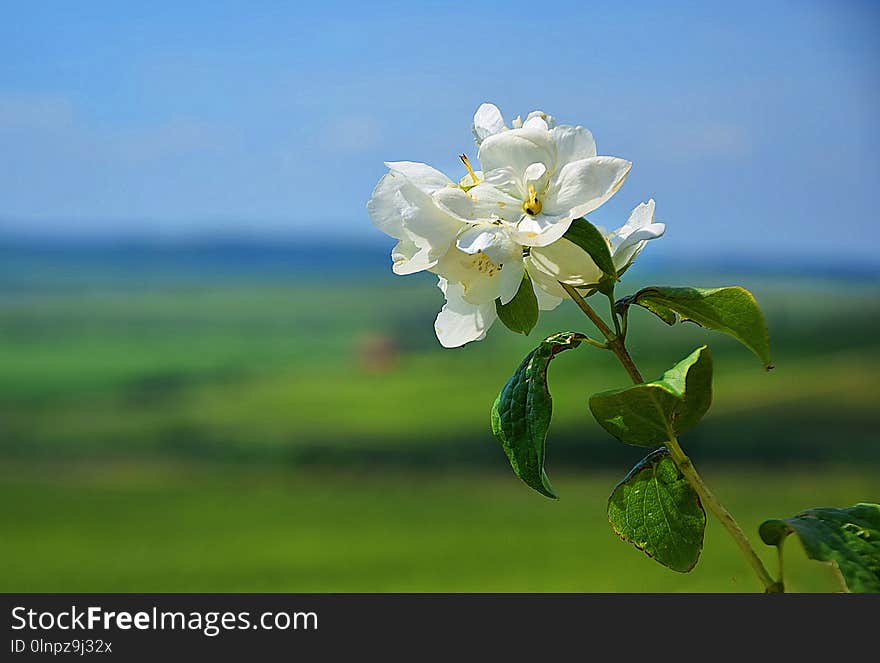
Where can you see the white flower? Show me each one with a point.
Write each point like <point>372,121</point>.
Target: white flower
<point>565,261</point>
<point>537,178</point>
<point>405,206</point>
<point>490,269</point>
<point>481,234</point>
<point>629,240</point>
<point>489,121</point>
<point>470,303</point>
<point>460,322</point>
<point>425,211</point>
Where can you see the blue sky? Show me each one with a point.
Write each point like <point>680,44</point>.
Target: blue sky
<point>753,125</point>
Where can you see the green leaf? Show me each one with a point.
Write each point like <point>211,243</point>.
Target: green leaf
<point>651,413</point>
<point>656,510</point>
<point>521,413</point>
<point>849,537</point>
<point>520,314</point>
<point>732,310</point>
<point>590,239</point>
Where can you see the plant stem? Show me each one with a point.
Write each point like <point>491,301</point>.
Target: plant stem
<point>617,331</point>
<point>588,311</point>
<point>723,515</point>
<point>616,344</point>
<point>595,343</point>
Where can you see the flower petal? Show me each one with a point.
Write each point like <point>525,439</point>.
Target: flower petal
<point>486,262</point>
<point>565,261</point>
<point>627,251</point>
<point>491,239</point>
<point>456,202</point>
<point>639,229</point>
<point>542,229</point>
<point>549,120</point>
<point>491,202</point>
<point>461,322</point>
<point>573,143</point>
<point>543,281</point>
<point>511,277</point>
<point>488,121</point>
<point>482,279</point>
<point>404,212</point>
<point>384,206</point>
<point>641,216</point>
<point>546,301</point>
<point>409,258</point>
<point>536,177</point>
<point>517,149</point>
<point>423,177</point>
<point>536,121</point>
<point>582,186</point>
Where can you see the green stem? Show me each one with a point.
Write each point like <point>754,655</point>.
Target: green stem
<point>723,515</point>
<point>595,343</point>
<point>617,331</point>
<point>594,317</point>
<point>616,344</point>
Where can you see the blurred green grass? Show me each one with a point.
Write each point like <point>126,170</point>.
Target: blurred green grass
<point>133,528</point>
<point>270,372</point>
<point>309,434</point>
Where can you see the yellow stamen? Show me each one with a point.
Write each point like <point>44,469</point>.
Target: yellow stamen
<point>467,164</point>
<point>532,206</point>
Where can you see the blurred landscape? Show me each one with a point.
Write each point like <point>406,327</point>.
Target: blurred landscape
<point>240,416</point>
<point>210,381</point>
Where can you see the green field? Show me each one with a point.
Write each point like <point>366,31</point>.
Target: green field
<point>158,528</point>
<point>279,373</point>
<point>247,435</point>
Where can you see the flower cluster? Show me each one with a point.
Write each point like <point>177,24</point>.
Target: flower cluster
<point>483,234</point>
